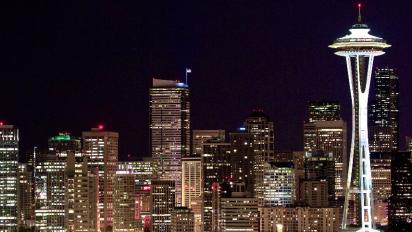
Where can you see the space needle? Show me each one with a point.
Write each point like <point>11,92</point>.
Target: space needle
<point>359,49</point>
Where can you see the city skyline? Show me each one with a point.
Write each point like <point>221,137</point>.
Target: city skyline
<point>245,48</point>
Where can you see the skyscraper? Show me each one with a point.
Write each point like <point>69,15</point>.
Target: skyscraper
<point>359,49</point>
<point>192,188</point>
<point>325,131</point>
<point>25,200</point>
<point>279,184</point>
<point>101,149</point>
<point>239,212</point>
<point>260,126</point>
<point>124,197</point>
<point>142,172</point>
<point>9,157</point>
<point>381,182</point>
<point>321,166</point>
<point>400,202</point>
<point>49,193</point>
<point>63,143</point>
<point>384,115</point>
<point>216,169</point>
<point>242,159</point>
<point>202,136</point>
<point>170,130</point>
<point>324,111</point>
<point>163,203</point>
<point>81,195</point>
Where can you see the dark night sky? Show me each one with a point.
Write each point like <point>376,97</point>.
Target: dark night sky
<point>68,65</point>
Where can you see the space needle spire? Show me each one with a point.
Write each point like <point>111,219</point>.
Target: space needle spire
<point>359,49</point>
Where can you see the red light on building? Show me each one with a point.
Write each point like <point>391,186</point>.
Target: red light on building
<point>1,123</point>
<point>100,126</point>
<point>146,188</point>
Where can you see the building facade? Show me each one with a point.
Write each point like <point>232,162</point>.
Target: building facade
<point>384,113</point>
<point>239,213</point>
<point>280,219</point>
<point>101,149</point>
<point>279,184</point>
<point>25,199</point>
<point>124,198</point>
<point>170,130</point>
<point>202,136</point>
<point>163,204</point>
<point>49,193</point>
<point>328,137</point>
<point>9,157</point>
<point>142,171</point>
<point>216,170</point>
<point>192,188</point>
<point>183,220</point>
<point>260,126</point>
<point>400,210</point>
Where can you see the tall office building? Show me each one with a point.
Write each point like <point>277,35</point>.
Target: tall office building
<point>279,184</point>
<point>260,126</point>
<point>400,202</point>
<point>101,149</point>
<point>384,115</point>
<point>142,171</point>
<point>124,197</point>
<point>216,169</point>
<point>183,220</point>
<point>192,188</point>
<point>49,193</point>
<point>326,131</point>
<point>359,49</point>
<point>381,182</point>
<point>321,166</point>
<point>242,159</point>
<point>81,195</point>
<point>239,212</point>
<point>25,199</point>
<point>324,111</point>
<point>201,136</point>
<point>9,157</point>
<point>163,204</point>
<point>64,143</point>
<point>170,130</point>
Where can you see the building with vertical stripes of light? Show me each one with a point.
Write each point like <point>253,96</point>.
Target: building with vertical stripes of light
<point>170,130</point>
<point>192,188</point>
<point>101,149</point>
<point>9,155</point>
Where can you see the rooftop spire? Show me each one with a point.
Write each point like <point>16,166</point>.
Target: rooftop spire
<point>359,13</point>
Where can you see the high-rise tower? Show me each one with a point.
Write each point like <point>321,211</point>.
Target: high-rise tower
<point>359,49</point>
<point>170,130</point>
<point>384,116</point>
<point>9,157</point>
<point>101,149</point>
